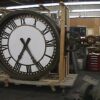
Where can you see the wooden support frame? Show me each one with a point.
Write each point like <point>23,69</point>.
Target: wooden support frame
<point>64,60</point>
<point>64,78</point>
<point>67,29</point>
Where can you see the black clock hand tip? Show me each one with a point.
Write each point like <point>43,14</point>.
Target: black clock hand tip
<point>22,40</point>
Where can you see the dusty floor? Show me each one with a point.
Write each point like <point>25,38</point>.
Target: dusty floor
<point>24,92</point>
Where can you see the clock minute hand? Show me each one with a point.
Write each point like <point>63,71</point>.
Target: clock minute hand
<point>39,66</point>
<point>24,48</point>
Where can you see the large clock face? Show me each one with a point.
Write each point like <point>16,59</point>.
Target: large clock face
<point>29,45</point>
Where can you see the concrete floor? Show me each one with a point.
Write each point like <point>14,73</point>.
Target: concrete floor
<point>24,92</point>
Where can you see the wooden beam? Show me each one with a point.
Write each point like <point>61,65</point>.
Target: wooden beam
<point>62,44</point>
<point>67,22</point>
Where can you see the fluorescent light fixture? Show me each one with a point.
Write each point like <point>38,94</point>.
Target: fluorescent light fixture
<point>32,6</point>
<point>83,16</point>
<point>0,14</point>
<point>73,16</point>
<point>83,3</point>
<point>23,6</point>
<point>85,10</point>
<point>90,16</point>
<point>54,4</point>
<point>74,3</point>
<point>51,4</point>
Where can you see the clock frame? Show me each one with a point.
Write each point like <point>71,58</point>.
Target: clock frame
<point>13,38</point>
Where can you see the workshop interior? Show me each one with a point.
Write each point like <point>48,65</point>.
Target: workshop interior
<point>51,43</point>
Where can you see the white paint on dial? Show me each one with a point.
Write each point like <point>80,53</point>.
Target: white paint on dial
<point>8,30</point>
<point>17,22</point>
<point>48,36</point>
<point>34,68</point>
<point>12,62</point>
<point>40,25</point>
<point>49,51</point>
<point>23,68</point>
<point>29,21</point>
<point>45,60</point>
<point>6,53</point>
<point>4,41</point>
<point>36,44</point>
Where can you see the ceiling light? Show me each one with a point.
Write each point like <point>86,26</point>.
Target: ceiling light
<point>83,3</point>
<point>51,4</point>
<point>83,16</point>
<point>85,10</point>
<point>32,6</point>
<point>23,6</point>
<point>73,16</point>
<point>54,4</point>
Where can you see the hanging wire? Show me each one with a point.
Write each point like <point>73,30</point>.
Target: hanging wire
<point>17,2</point>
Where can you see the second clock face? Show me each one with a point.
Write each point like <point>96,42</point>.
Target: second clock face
<point>28,44</point>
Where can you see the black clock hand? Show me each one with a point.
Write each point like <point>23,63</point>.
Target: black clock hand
<point>39,66</point>
<point>17,65</point>
<point>24,48</point>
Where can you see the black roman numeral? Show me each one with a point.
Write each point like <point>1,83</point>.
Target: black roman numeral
<point>45,31</point>
<point>35,22</point>
<point>12,25</point>
<point>17,66</point>
<point>5,35</point>
<point>7,59</point>
<point>49,56</point>
<point>28,67</point>
<point>4,47</point>
<point>23,21</point>
<point>50,43</point>
<point>39,66</point>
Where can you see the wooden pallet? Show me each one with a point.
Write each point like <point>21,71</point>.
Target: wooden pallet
<point>68,81</point>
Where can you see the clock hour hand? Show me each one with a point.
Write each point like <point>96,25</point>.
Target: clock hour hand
<point>39,66</point>
<point>24,48</point>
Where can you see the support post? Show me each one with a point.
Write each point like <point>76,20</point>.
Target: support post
<point>67,22</point>
<point>62,44</point>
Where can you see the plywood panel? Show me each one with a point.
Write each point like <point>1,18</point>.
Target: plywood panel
<point>87,22</point>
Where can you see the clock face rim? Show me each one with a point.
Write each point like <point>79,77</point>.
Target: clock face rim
<point>56,59</point>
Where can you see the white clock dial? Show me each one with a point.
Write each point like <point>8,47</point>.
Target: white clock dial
<point>28,44</point>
